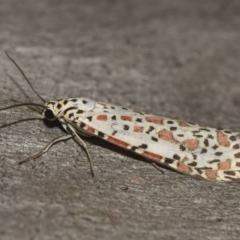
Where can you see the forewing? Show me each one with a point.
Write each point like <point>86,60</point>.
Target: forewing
<point>186,147</point>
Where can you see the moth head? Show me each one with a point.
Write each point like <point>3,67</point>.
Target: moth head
<point>49,112</point>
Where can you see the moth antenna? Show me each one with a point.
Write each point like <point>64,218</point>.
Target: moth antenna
<point>26,104</point>
<point>35,109</point>
<point>21,71</point>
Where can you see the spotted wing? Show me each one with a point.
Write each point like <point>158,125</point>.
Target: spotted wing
<point>188,148</point>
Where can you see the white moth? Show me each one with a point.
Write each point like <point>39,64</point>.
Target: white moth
<point>204,152</point>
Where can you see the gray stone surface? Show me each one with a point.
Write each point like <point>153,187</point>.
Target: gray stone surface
<point>174,58</point>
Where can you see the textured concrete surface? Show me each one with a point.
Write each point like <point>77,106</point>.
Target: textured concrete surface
<point>172,58</point>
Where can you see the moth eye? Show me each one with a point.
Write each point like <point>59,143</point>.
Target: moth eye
<point>49,114</point>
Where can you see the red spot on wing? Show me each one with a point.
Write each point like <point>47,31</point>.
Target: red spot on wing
<point>102,117</point>
<point>166,135</point>
<point>211,174</point>
<point>224,165</point>
<point>222,139</point>
<point>90,129</point>
<point>117,142</point>
<point>138,129</point>
<point>156,120</point>
<point>183,168</point>
<point>152,156</point>
<point>191,144</point>
<point>126,118</point>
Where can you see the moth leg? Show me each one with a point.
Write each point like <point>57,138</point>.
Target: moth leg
<point>80,131</point>
<point>55,140</point>
<point>83,145</point>
<point>157,167</point>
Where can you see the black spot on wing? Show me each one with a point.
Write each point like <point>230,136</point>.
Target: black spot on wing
<point>134,148</point>
<point>169,160</point>
<point>231,173</point>
<point>89,118</point>
<point>199,170</point>
<point>214,161</point>
<point>236,146</point>
<point>204,150</point>
<point>233,138</point>
<point>210,136</point>
<point>150,129</point>
<point>100,134</point>
<point>227,131</point>
<point>69,109</point>
<point>114,132</point>
<point>237,155</point>
<point>59,106</point>
<point>218,153</point>
<point>139,120</point>
<point>192,164</point>
<point>70,115</point>
<point>215,147</point>
<point>154,139</point>
<point>182,148</point>
<point>196,131</point>
<point>79,111</point>
<point>231,178</point>
<point>177,157</point>
<point>206,143</point>
<point>82,125</point>
<point>144,146</point>
<point>194,156</point>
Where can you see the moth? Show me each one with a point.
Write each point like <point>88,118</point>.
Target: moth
<point>192,149</point>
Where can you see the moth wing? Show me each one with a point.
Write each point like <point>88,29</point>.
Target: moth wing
<point>140,142</point>
<point>109,125</point>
